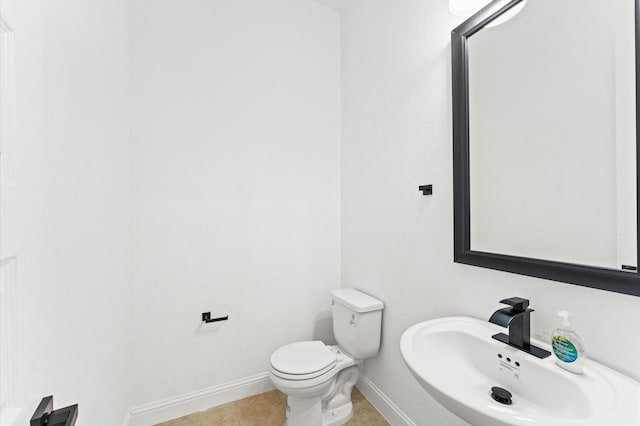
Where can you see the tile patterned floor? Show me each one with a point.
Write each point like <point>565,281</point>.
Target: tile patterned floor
<point>267,409</point>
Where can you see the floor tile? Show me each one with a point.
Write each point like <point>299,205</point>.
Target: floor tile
<point>268,409</point>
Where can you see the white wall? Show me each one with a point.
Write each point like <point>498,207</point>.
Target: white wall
<point>552,123</point>
<point>397,244</point>
<point>236,185</point>
<point>67,220</point>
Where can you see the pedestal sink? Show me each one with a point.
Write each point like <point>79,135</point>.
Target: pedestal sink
<point>458,363</point>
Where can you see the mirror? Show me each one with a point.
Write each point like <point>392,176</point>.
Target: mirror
<point>545,141</point>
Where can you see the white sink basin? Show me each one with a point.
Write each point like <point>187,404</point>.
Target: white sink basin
<point>457,362</point>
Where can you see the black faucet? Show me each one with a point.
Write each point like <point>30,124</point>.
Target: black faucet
<point>517,317</point>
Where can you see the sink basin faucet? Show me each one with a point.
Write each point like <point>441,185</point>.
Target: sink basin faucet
<point>517,318</point>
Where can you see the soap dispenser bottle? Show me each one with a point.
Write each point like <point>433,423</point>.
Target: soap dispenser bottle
<point>567,346</point>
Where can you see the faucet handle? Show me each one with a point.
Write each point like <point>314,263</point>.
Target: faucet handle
<point>518,303</point>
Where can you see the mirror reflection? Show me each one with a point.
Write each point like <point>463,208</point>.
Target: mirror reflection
<point>552,134</point>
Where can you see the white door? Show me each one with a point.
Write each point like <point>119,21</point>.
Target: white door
<point>9,256</point>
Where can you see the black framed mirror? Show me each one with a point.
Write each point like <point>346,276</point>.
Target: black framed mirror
<point>542,184</point>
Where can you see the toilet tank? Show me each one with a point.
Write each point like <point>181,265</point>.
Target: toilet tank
<point>357,322</point>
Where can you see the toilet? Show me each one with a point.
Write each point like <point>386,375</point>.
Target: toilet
<point>318,378</point>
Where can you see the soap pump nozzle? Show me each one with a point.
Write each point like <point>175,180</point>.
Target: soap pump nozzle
<point>565,318</point>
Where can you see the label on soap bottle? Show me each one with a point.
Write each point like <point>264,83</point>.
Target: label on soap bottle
<point>564,349</point>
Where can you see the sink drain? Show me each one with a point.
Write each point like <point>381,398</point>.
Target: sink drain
<point>501,395</point>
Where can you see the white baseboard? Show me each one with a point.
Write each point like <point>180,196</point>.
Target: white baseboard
<point>204,399</point>
<point>383,404</point>
<point>201,400</point>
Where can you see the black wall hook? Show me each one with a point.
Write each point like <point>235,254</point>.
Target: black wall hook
<point>426,189</point>
<point>206,318</point>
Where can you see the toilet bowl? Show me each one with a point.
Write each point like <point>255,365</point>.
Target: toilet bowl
<point>317,378</point>
<point>318,390</point>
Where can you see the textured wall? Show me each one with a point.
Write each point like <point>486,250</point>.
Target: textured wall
<point>236,185</point>
<point>397,244</point>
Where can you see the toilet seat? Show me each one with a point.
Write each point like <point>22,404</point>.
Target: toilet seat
<point>303,361</point>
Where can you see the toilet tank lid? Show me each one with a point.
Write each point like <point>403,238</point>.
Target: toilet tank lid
<point>356,300</point>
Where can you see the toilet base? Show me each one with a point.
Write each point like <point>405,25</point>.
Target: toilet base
<point>338,416</point>
<point>303,411</point>
<point>333,408</point>
<point>308,412</point>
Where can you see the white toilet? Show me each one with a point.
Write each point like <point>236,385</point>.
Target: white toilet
<point>317,378</point>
